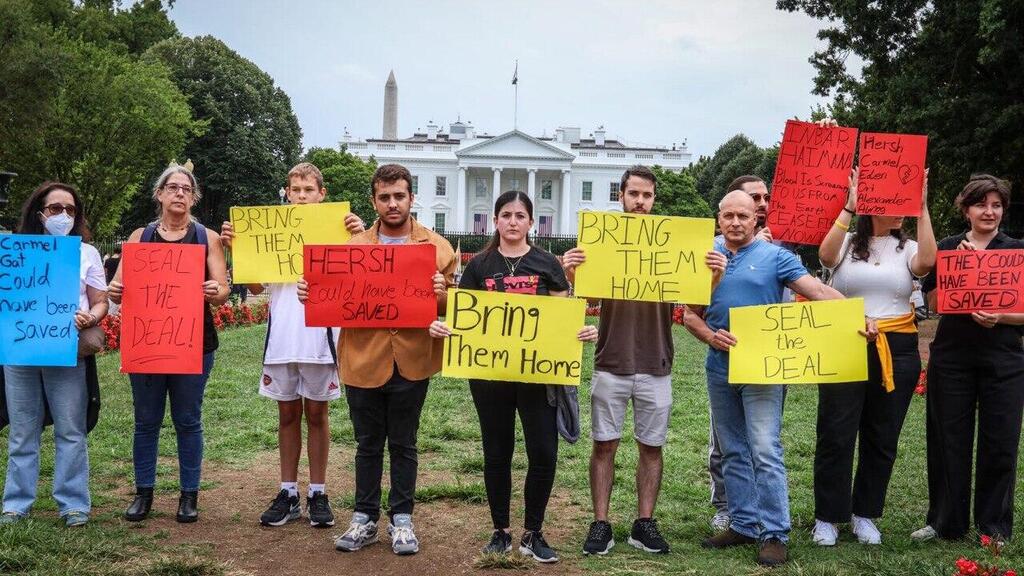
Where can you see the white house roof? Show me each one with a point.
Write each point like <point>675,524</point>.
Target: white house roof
<point>514,144</point>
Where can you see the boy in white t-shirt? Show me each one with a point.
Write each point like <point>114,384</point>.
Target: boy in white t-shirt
<point>300,371</point>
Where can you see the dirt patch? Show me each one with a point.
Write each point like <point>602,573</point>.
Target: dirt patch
<point>452,533</point>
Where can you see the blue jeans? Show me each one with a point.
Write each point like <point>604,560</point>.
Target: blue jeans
<point>748,420</point>
<point>150,392</point>
<point>67,396</point>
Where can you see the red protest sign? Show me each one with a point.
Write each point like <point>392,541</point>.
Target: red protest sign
<point>162,308</point>
<point>891,174</point>
<point>370,285</point>
<point>980,281</point>
<point>811,178</point>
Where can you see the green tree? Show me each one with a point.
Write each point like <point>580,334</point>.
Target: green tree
<point>709,172</point>
<point>346,177</point>
<point>746,162</point>
<point>951,69</point>
<point>677,194</point>
<point>252,137</point>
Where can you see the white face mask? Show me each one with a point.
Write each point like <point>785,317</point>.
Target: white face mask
<point>59,225</point>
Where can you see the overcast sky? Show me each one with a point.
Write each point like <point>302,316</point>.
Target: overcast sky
<point>651,72</point>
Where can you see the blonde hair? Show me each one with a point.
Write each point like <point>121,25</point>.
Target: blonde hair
<point>306,170</point>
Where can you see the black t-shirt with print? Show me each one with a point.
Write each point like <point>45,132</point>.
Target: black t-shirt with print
<point>537,273</point>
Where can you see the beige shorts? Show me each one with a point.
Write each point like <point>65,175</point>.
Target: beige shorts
<point>296,380</point>
<point>652,406</point>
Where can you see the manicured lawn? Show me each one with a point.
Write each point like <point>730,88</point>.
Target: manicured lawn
<point>241,426</point>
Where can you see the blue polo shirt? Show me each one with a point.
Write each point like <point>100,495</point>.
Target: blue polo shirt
<point>756,275</point>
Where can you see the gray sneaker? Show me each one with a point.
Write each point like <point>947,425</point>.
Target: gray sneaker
<point>9,518</point>
<point>361,532</point>
<point>403,539</point>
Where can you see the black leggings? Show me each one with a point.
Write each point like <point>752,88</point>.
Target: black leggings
<point>496,404</point>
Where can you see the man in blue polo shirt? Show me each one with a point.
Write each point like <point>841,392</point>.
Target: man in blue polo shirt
<point>748,418</point>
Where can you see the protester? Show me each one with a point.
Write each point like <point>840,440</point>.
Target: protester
<point>975,374</point>
<point>386,373</point>
<point>748,418</point>
<point>176,191</point>
<point>511,263</point>
<point>633,361</point>
<point>300,372</point>
<point>111,263</point>
<point>55,209</point>
<point>876,262</point>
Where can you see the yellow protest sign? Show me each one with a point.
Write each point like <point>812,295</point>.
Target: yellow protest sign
<point>514,337</point>
<point>798,343</point>
<point>269,239</point>
<point>644,257</point>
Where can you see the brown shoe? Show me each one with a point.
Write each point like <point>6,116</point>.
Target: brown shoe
<point>728,538</point>
<point>773,553</point>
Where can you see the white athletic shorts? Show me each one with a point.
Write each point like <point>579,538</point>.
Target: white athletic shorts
<point>296,380</point>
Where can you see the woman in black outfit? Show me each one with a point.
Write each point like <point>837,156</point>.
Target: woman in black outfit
<point>510,263</point>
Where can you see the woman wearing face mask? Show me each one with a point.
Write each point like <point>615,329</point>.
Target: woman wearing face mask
<point>510,263</point>
<point>54,209</point>
<point>175,192</point>
<point>975,374</point>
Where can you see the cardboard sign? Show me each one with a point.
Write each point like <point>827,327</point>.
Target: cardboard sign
<point>269,239</point>
<point>513,337</point>
<point>891,174</point>
<point>39,286</point>
<point>980,281</point>
<point>811,179</point>
<point>371,285</point>
<point>646,258</point>
<point>798,343</point>
<point>162,308</point>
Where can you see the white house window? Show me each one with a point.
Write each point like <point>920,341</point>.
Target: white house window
<point>439,222</point>
<point>613,191</point>
<point>414,213</point>
<point>481,188</point>
<point>514,184</point>
<point>545,190</point>
<point>415,184</point>
<point>588,191</point>
<point>442,186</point>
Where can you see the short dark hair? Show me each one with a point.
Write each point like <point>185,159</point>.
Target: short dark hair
<point>738,182</point>
<point>388,173</point>
<point>30,222</point>
<point>639,171</point>
<point>978,187</point>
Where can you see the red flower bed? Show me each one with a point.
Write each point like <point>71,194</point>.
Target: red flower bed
<point>967,567</point>
<point>225,316</point>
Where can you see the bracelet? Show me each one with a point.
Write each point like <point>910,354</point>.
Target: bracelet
<point>852,213</point>
<point>841,226</point>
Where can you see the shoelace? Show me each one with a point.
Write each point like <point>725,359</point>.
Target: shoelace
<point>651,529</point>
<point>319,503</point>
<point>281,502</point>
<point>357,531</point>
<point>538,538</point>
<point>402,534</point>
<point>597,530</point>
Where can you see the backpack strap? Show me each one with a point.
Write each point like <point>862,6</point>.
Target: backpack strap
<point>330,343</point>
<point>149,232</point>
<point>200,234</point>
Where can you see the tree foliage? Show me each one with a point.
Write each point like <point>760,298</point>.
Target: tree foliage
<point>951,69</point>
<point>737,157</point>
<point>347,178</point>
<point>677,194</point>
<point>252,137</point>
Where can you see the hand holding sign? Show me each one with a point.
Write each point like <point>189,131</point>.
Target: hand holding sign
<point>892,174</point>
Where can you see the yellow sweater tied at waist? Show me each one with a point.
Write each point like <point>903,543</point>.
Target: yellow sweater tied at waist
<point>900,325</point>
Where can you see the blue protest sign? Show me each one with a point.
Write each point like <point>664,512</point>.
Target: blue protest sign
<point>39,284</point>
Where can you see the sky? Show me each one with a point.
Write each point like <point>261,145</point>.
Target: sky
<point>652,72</point>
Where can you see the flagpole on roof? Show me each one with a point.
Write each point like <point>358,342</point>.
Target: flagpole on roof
<point>515,97</point>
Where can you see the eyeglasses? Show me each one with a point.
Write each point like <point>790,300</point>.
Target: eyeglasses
<point>175,188</point>
<point>54,209</point>
<point>759,197</point>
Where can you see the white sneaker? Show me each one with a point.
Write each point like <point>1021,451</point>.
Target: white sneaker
<point>824,533</point>
<point>865,530</point>
<point>720,522</point>
<point>922,534</point>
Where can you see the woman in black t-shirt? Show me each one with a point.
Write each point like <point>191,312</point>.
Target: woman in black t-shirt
<point>975,373</point>
<point>510,263</point>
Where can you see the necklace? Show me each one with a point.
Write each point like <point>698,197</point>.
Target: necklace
<point>512,264</point>
<point>884,244</point>
<point>165,228</point>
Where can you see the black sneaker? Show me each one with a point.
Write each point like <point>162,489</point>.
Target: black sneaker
<point>501,542</point>
<point>534,546</point>
<point>599,538</point>
<point>645,536</point>
<point>319,510</point>
<point>282,510</point>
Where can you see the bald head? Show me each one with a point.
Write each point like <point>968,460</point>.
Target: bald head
<point>737,218</point>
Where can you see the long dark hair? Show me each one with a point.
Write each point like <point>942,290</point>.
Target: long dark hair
<point>862,234</point>
<point>508,198</point>
<point>30,222</point>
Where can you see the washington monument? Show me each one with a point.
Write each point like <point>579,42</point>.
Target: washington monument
<point>390,108</point>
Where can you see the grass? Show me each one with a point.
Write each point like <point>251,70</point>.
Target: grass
<point>241,426</point>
